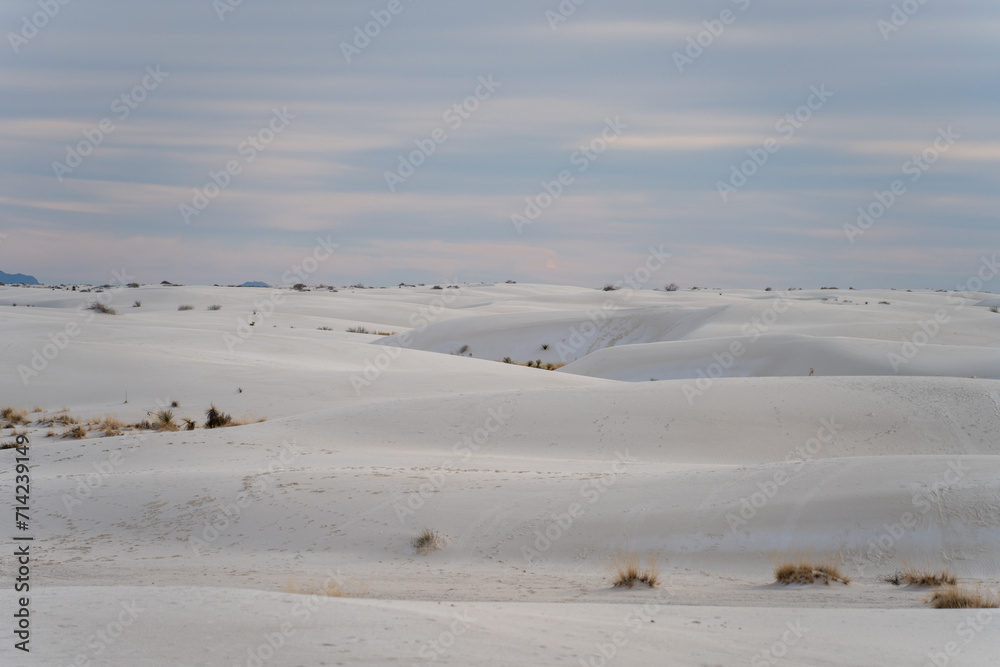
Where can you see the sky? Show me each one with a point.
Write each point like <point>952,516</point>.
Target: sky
<point>806,144</point>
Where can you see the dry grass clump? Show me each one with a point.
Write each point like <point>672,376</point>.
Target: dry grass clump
<point>185,307</point>
<point>427,541</point>
<point>956,597</point>
<point>243,421</point>
<point>110,426</point>
<point>628,571</point>
<point>215,306</point>
<point>99,307</point>
<point>14,416</point>
<point>76,433</point>
<point>364,330</point>
<point>806,573</point>
<point>331,589</point>
<point>917,577</point>
<point>63,418</point>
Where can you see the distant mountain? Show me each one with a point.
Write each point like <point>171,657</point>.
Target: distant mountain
<point>254,283</point>
<point>15,278</point>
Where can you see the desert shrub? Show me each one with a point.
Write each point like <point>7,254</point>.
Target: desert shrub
<point>956,597</point>
<point>995,309</point>
<point>75,433</point>
<point>14,415</point>
<point>610,288</point>
<point>325,328</point>
<point>215,418</point>
<point>133,285</point>
<point>884,303</point>
<point>300,287</point>
<point>189,424</point>
<point>358,329</point>
<point>165,420</point>
<point>64,418</point>
<point>545,346</point>
<point>137,304</point>
<point>99,307</point>
<point>808,573</point>
<point>628,571</point>
<point>673,287</point>
<point>507,360</point>
<point>111,426</point>
<point>427,541</point>
<point>915,577</point>
<point>185,307</point>
<point>511,282</point>
<point>463,349</point>
<point>215,306</point>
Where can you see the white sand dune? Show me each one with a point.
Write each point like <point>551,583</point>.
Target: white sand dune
<point>533,478</point>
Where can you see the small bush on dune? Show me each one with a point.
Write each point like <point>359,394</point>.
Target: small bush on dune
<point>628,571</point>
<point>215,306</point>
<point>185,307</point>
<point>165,420</point>
<point>427,541</point>
<point>215,418</point>
<point>358,329</point>
<point>673,287</point>
<point>111,426</point>
<point>955,597</point>
<point>75,433</point>
<point>805,573</point>
<point>914,577</point>
<point>14,416</point>
<point>137,304</point>
<point>99,307</point>
<point>610,288</point>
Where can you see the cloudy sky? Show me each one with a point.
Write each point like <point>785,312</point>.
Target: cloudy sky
<point>438,140</point>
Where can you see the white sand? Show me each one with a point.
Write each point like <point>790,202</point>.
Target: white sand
<point>734,459</point>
